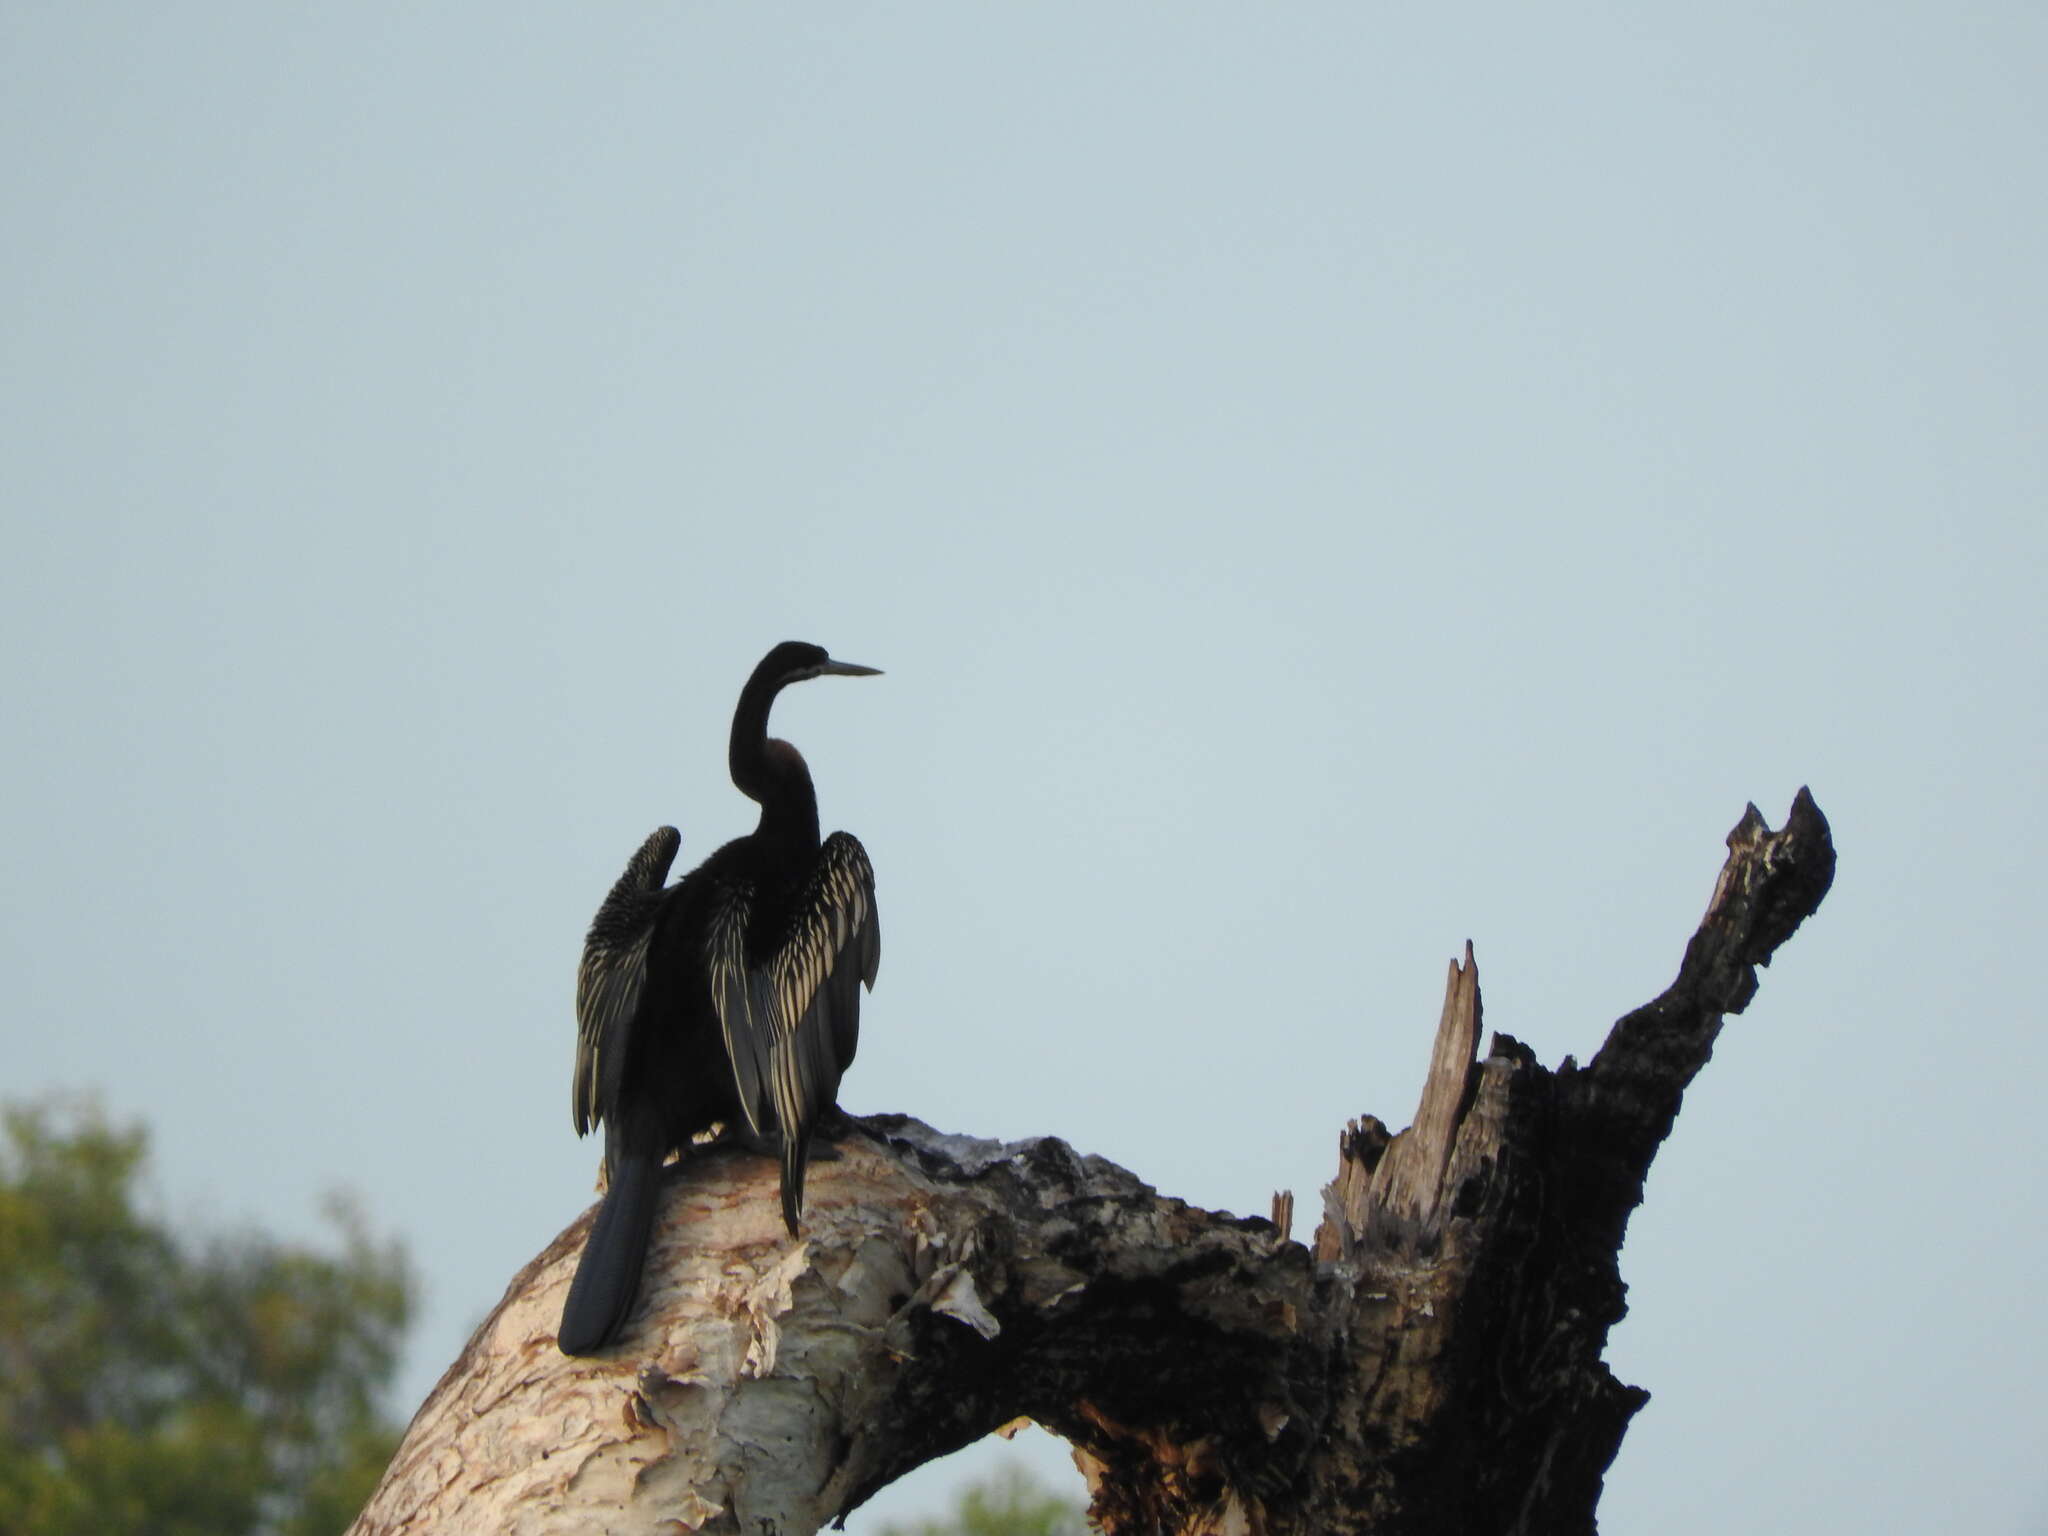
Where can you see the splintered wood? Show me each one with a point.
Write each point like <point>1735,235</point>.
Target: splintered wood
<point>1387,1190</point>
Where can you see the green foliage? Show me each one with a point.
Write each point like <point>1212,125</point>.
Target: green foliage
<point>1011,1503</point>
<point>153,1382</point>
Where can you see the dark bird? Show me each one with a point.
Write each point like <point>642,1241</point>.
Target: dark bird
<point>729,998</point>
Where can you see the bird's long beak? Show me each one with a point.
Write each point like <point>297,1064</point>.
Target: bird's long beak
<point>847,669</point>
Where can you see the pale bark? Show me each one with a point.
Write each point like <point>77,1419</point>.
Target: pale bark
<point>1430,1363</point>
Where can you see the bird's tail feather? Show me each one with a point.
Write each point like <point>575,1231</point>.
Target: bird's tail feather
<point>608,1275</point>
<point>796,1156</point>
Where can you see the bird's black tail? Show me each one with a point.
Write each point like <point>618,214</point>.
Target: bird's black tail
<point>608,1275</point>
<point>796,1156</point>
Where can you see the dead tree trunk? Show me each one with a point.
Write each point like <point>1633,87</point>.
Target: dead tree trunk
<point>1430,1363</point>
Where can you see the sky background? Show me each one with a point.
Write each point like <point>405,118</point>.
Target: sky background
<point>1324,483</point>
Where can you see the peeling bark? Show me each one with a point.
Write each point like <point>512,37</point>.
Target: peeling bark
<point>1430,1362</point>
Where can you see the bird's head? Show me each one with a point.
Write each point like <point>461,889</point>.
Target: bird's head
<point>794,661</point>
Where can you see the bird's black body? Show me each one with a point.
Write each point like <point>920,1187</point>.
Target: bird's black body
<point>730,998</point>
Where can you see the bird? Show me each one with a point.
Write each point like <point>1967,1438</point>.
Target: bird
<point>731,998</point>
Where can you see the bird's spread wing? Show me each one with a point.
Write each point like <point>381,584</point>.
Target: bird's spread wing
<point>792,1016</point>
<point>833,940</point>
<point>614,971</point>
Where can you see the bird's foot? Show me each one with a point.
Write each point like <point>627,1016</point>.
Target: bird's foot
<point>837,1125</point>
<point>770,1146</point>
<point>761,1145</point>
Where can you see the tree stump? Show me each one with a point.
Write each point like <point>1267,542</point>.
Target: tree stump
<point>1430,1362</point>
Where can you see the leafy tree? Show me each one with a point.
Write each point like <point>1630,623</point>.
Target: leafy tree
<point>151,1381</point>
<point>1011,1503</point>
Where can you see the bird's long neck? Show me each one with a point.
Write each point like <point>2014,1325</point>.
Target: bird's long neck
<point>772,773</point>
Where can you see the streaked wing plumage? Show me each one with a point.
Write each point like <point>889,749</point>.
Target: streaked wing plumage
<point>792,1017</point>
<point>613,974</point>
<point>747,1026</point>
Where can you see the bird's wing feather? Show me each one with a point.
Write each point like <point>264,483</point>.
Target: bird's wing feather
<point>790,1016</point>
<point>865,953</point>
<point>833,940</point>
<point>738,995</point>
<point>614,970</point>
<point>833,945</point>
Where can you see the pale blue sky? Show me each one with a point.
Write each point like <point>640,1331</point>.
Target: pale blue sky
<point>1323,482</point>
